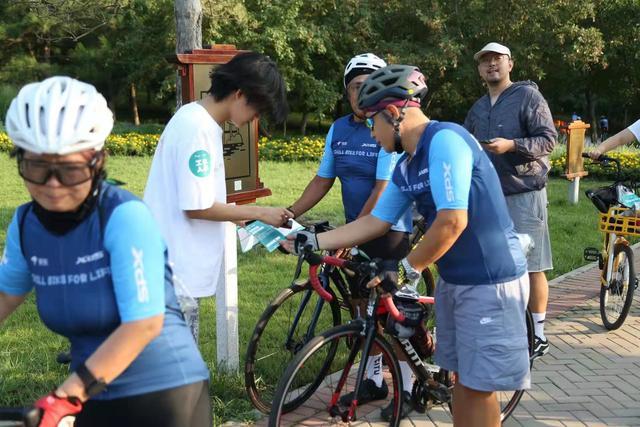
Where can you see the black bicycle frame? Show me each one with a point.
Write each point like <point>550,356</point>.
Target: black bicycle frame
<point>327,274</point>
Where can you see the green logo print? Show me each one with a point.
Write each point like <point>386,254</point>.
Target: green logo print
<point>200,163</point>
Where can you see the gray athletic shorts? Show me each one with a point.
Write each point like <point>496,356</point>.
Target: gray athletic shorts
<point>529,214</point>
<point>482,334</point>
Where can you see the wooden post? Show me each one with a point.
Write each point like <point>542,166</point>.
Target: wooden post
<point>227,343</point>
<point>575,164</point>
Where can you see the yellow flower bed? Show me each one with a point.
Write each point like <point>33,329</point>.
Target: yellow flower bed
<point>138,144</point>
<point>299,148</point>
<point>5,142</point>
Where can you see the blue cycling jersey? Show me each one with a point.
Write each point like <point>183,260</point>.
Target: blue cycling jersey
<point>450,170</point>
<point>110,269</point>
<point>351,155</point>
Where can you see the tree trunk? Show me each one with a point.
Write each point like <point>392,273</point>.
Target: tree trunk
<point>133,102</point>
<point>284,128</point>
<point>303,124</point>
<point>188,33</point>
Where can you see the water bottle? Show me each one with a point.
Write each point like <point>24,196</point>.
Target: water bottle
<point>188,304</point>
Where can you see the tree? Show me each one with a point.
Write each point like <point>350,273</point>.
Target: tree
<point>188,33</point>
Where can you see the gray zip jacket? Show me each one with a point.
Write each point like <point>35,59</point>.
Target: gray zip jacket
<point>522,114</point>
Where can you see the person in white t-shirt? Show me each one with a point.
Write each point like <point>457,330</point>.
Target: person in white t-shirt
<point>186,189</point>
<point>625,136</point>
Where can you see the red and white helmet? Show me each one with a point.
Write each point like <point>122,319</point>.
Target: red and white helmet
<point>365,63</point>
<point>59,115</point>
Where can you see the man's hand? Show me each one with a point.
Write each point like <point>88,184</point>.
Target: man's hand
<point>274,216</point>
<point>500,146</point>
<point>595,154</point>
<point>296,242</point>
<point>55,408</point>
<point>388,277</point>
<point>396,274</point>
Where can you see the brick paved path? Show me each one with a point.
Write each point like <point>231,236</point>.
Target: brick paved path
<point>591,377</point>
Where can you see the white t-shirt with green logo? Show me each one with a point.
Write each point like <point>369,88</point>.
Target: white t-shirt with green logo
<point>187,173</point>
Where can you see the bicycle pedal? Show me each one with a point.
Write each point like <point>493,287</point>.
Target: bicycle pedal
<point>592,254</point>
<point>439,393</point>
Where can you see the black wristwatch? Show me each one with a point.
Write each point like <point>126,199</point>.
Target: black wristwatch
<point>92,385</point>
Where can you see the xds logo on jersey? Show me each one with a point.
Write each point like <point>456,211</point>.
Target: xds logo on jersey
<point>138,272</point>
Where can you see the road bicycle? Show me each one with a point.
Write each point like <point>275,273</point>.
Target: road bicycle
<point>332,365</point>
<point>615,259</point>
<point>297,314</point>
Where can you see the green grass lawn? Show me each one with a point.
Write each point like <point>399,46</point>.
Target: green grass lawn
<point>27,350</point>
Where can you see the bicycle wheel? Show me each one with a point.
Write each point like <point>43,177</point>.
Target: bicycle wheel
<point>617,296</point>
<point>319,403</point>
<point>508,400</point>
<point>282,330</point>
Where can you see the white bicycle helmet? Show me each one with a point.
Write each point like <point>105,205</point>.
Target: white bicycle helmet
<point>59,115</point>
<point>365,63</point>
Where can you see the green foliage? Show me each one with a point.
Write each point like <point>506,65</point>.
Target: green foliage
<point>582,53</point>
<point>7,93</point>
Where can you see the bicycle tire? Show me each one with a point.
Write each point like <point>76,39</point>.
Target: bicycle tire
<point>617,296</point>
<point>511,403</point>
<point>346,339</point>
<point>267,353</point>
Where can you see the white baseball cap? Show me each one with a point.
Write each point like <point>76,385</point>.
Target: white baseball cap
<point>492,47</point>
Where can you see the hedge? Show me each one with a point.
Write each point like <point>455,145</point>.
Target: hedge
<point>311,148</point>
<point>137,144</point>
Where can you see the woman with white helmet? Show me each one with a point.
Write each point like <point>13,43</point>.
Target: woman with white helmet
<point>98,265</point>
<point>352,155</point>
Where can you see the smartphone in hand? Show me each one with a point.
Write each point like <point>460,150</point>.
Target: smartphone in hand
<point>484,141</point>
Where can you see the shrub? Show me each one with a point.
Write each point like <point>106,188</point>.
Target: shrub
<point>144,144</point>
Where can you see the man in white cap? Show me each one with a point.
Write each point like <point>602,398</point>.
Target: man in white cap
<point>514,123</point>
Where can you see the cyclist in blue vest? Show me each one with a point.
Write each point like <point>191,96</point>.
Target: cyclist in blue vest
<point>95,259</point>
<point>364,169</point>
<point>483,290</point>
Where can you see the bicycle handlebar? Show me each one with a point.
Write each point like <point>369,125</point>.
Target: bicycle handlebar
<point>316,260</point>
<point>369,268</point>
<point>602,158</point>
<point>387,301</point>
<point>604,161</point>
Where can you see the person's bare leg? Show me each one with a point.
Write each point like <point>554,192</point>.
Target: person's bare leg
<point>539,294</point>
<point>538,299</point>
<point>473,408</point>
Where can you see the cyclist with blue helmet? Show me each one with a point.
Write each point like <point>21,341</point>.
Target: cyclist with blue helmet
<point>95,259</point>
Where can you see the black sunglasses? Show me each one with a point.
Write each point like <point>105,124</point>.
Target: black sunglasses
<point>67,173</point>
